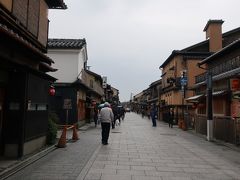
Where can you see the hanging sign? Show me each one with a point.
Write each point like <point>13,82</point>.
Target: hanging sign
<point>67,104</point>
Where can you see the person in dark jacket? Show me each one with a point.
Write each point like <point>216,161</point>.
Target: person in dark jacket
<point>171,118</point>
<point>153,114</point>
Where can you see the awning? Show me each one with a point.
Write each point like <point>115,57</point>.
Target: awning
<point>217,93</point>
<point>194,98</point>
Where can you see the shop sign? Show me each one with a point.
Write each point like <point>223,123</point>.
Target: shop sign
<point>104,84</point>
<point>235,109</point>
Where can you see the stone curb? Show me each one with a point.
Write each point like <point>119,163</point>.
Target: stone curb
<point>9,171</point>
<point>26,162</point>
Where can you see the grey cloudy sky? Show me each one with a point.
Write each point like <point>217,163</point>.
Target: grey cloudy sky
<point>127,40</point>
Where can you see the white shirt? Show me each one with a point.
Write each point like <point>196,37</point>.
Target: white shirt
<point>106,115</point>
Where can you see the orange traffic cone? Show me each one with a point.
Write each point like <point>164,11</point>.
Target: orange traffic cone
<point>75,134</point>
<point>62,141</point>
<point>184,126</point>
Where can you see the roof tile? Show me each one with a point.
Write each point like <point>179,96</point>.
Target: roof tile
<point>66,43</point>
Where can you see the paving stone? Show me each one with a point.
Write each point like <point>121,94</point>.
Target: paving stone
<point>137,152</point>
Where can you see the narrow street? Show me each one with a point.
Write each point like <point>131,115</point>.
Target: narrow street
<point>137,151</point>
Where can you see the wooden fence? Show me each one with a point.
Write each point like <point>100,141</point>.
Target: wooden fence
<point>224,128</point>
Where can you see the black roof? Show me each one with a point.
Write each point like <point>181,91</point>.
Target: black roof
<point>56,4</point>
<point>192,54</point>
<point>66,43</point>
<point>155,83</point>
<point>233,45</point>
<point>8,32</point>
<point>191,49</point>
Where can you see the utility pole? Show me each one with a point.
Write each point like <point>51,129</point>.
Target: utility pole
<point>183,87</point>
<point>131,100</point>
<point>209,107</point>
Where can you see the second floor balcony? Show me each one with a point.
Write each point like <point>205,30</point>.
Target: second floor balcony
<point>227,68</point>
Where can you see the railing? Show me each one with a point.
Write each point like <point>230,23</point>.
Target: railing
<point>226,66</point>
<point>201,124</point>
<point>223,129</point>
<point>200,78</point>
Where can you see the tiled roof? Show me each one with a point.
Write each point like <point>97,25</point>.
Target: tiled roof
<point>66,43</point>
<point>56,4</point>
<point>203,43</point>
<point>18,38</point>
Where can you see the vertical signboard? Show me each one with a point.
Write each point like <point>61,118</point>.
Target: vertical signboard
<point>104,84</point>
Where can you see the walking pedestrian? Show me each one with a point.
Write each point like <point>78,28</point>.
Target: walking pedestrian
<point>106,117</point>
<point>153,114</point>
<point>116,113</point>
<point>171,117</point>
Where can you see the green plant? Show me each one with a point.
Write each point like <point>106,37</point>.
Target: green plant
<point>52,128</point>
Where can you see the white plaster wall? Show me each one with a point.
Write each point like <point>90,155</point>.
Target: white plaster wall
<point>81,60</point>
<point>68,62</point>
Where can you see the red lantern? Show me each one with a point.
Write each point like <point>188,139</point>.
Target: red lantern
<point>52,91</point>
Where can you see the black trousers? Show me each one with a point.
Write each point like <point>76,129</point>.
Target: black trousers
<point>170,123</point>
<point>105,132</point>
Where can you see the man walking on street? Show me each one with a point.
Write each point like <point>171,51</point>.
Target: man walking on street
<point>153,114</point>
<point>171,117</point>
<point>106,117</point>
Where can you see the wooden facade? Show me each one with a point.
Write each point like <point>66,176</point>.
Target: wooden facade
<point>184,97</point>
<point>224,67</point>
<point>24,84</point>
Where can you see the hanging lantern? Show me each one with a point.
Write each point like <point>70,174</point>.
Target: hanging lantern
<point>52,91</point>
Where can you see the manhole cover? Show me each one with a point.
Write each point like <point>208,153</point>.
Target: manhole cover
<point>116,132</point>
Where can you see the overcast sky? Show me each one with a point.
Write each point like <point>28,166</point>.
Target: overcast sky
<point>127,40</point>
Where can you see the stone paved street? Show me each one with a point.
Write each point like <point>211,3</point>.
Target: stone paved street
<point>138,151</point>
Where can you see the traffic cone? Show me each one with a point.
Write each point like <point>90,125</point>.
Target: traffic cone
<point>75,134</point>
<point>184,126</point>
<point>62,141</point>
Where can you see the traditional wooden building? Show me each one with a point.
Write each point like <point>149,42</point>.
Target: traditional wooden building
<point>94,93</point>
<point>224,68</point>
<point>155,89</point>
<point>70,56</point>
<point>180,67</point>
<point>24,84</point>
